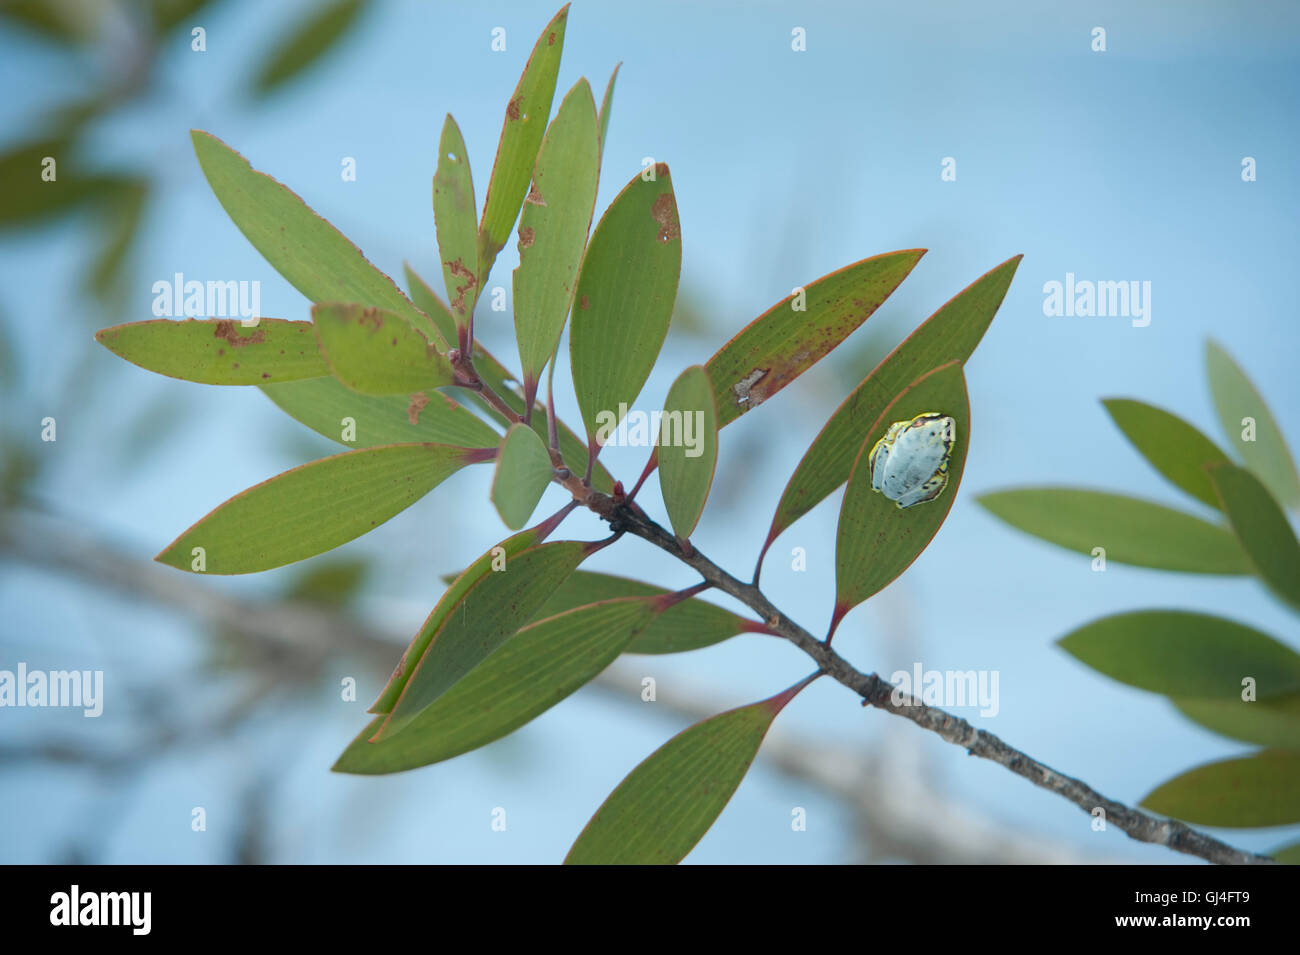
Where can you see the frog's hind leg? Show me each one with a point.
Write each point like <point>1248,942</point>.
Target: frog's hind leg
<point>928,491</point>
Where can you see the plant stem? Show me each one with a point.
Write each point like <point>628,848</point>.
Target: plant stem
<point>885,696</point>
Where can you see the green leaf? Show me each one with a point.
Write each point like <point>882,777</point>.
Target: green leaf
<point>311,254</point>
<point>521,135</point>
<point>876,539</point>
<point>1271,722</point>
<point>315,507</point>
<point>688,625</point>
<point>605,105</point>
<point>427,301</point>
<point>950,334</point>
<point>30,198</point>
<point>454,217</point>
<point>786,340</point>
<point>313,37</point>
<point>486,615</point>
<point>498,378</point>
<point>1262,528</point>
<point>1244,793</point>
<point>1235,400</point>
<point>495,560</point>
<point>1131,530</point>
<point>1287,855</point>
<point>625,299</point>
<point>121,216</point>
<point>663,808</point>
<point>523,471</point>
<point>377,353</point>
<point>1184,654</point>
<point>332,409</point>
<point>1173,447</point>
<point>534,670</point>
<point>219,351</point>
<point>334,583</point>
<point>688,449</point>
<point>553,231</point>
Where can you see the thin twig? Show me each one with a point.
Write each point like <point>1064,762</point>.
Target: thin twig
<point>885,696</point>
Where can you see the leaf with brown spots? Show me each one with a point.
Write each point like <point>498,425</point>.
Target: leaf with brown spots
<point>793,335</point>
<point>312,255</point>
<point>219,351</point>
<point>497,377</point>
<point>553,232</point>
<point>454,218</point>
<point>376,353</point>
<point>521,137</point>
<point>626,293</point>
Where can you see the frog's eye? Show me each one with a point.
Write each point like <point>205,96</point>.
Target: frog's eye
<point>909,465</point>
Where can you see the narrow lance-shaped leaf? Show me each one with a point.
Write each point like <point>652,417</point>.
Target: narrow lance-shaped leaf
<point>1262,528</point>
<point>311,254</point>
<point>1250,426</point>
<point>499,379</point>
<point>605,105</point>
<point>522,473</point>
<point>950,334</point>
<point>310,39</point>
<point>553,231</point>
<point>688,449</point>
<point>626,292</point>
<point>489,612</point>
<point>219,351</point>
<point>1246,793</point>
<point>688,625</point>
<point>315,507</point>
<point>877,540</point>
<point>454,216</point>
<point>332,409</point>
<point>494,561</point>
<point>534,670</point>
<point>427,301</point>
<point>521,135</point>
<point>790,337</point>
<point>1269,722</point>
<point>1173,447</point>
<point>1130,530</point>
<point>377,353</point>
<point>663,808</point>
<point>1182,654</point>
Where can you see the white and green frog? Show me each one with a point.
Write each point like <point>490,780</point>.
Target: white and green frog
<point>909,465</point>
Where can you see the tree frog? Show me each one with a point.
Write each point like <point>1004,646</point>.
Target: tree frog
<point>909,465</point>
